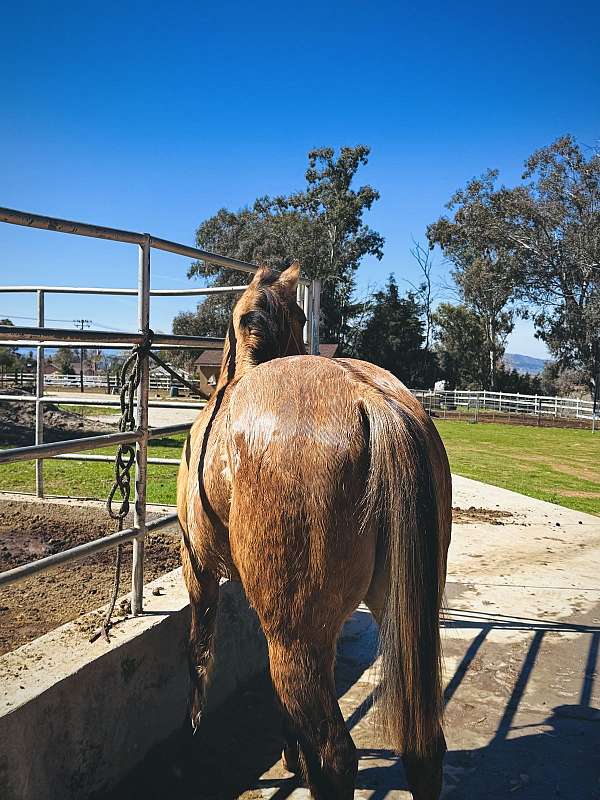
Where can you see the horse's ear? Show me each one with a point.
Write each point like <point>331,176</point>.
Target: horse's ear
<point>259,276</point>
<point>289,278</point>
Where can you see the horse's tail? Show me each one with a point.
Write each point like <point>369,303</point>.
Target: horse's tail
<point>401,500</point>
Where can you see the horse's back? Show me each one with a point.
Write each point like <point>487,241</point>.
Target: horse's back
<point>309,401</point>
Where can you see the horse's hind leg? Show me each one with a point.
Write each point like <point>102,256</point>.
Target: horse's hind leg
<point>203,588</point>
<point>303,680</point>
<point>290,756</point>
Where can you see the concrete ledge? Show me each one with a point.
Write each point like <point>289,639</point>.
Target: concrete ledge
<point>75,718</point>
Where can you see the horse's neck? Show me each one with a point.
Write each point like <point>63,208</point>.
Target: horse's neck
<point>232,372</point>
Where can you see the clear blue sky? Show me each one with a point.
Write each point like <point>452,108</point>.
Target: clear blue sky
<point>151,116</point>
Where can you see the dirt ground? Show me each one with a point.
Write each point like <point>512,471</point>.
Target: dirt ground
<point>472,515</point>
<point>17,424</point>
<point>29,531</point>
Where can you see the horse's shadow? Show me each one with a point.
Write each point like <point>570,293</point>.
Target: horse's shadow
<point>241,741</point>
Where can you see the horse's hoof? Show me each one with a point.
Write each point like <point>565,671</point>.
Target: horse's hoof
<point>290,762</point>
<point>196,722</point>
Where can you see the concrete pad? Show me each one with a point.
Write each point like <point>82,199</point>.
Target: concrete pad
<point>76,717</point>
<point>521,640</point>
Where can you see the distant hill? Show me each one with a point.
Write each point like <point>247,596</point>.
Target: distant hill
<point>524,363</point>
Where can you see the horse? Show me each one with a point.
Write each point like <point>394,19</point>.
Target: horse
<point>319,484</point>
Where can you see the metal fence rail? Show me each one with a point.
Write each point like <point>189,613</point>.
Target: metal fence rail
<point>42,336</point>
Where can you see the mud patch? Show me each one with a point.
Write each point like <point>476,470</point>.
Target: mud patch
<point>473,515</point>
<point>573,493</point>
<point>29,531</point>
<point>578,471</point>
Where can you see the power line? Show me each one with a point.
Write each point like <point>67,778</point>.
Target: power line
<point>54,319</point>
<point>16,316</point>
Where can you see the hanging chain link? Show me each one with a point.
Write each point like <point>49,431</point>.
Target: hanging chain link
<point>129,380</point>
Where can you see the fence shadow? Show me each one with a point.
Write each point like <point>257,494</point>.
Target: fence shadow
<point>236,746</point>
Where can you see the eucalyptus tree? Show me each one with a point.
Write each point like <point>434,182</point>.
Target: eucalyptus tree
<point>322,226</point>
<point>485,269</point>
<point>552,223</point>
<point>538,242</point>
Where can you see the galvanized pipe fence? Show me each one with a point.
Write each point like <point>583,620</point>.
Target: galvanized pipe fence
<point>42,336</point>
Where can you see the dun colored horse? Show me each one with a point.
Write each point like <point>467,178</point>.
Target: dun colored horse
<point>319,483</point>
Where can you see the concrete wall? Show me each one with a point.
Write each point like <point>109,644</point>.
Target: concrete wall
<point>75,717</point>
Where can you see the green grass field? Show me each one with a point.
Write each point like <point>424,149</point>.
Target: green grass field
<point>559,465</point>
<point>94,479</point>
<point>555,464</point>
<point>98,411</point>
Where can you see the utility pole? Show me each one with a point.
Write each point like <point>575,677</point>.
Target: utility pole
<point>81,323</point>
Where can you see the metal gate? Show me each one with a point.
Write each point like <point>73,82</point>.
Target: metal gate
<point>40,336</point>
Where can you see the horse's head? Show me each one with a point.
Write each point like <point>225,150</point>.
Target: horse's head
<point>267,322</point>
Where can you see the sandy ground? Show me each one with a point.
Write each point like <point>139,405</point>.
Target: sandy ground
<point>521,639</point>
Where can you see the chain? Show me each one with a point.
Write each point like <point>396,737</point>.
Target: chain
<point>129,380</point>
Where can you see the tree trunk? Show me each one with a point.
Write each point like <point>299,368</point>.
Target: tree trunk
<point>492,352</point>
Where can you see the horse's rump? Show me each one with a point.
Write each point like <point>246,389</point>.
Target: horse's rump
<point>298,460</point>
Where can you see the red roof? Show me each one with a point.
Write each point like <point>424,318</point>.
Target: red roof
<point>213,358</point>
<point>210,358</point>
<point>328,350</point>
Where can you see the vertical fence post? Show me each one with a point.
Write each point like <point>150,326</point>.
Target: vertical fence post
<point>141,448</point>
<point>39,393</point>
<point>315,315</point>
<point>306,309</point>
<point>300,301</point>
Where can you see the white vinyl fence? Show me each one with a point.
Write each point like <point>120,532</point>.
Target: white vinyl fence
<point>478,402</point>
<point>97,382</point>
